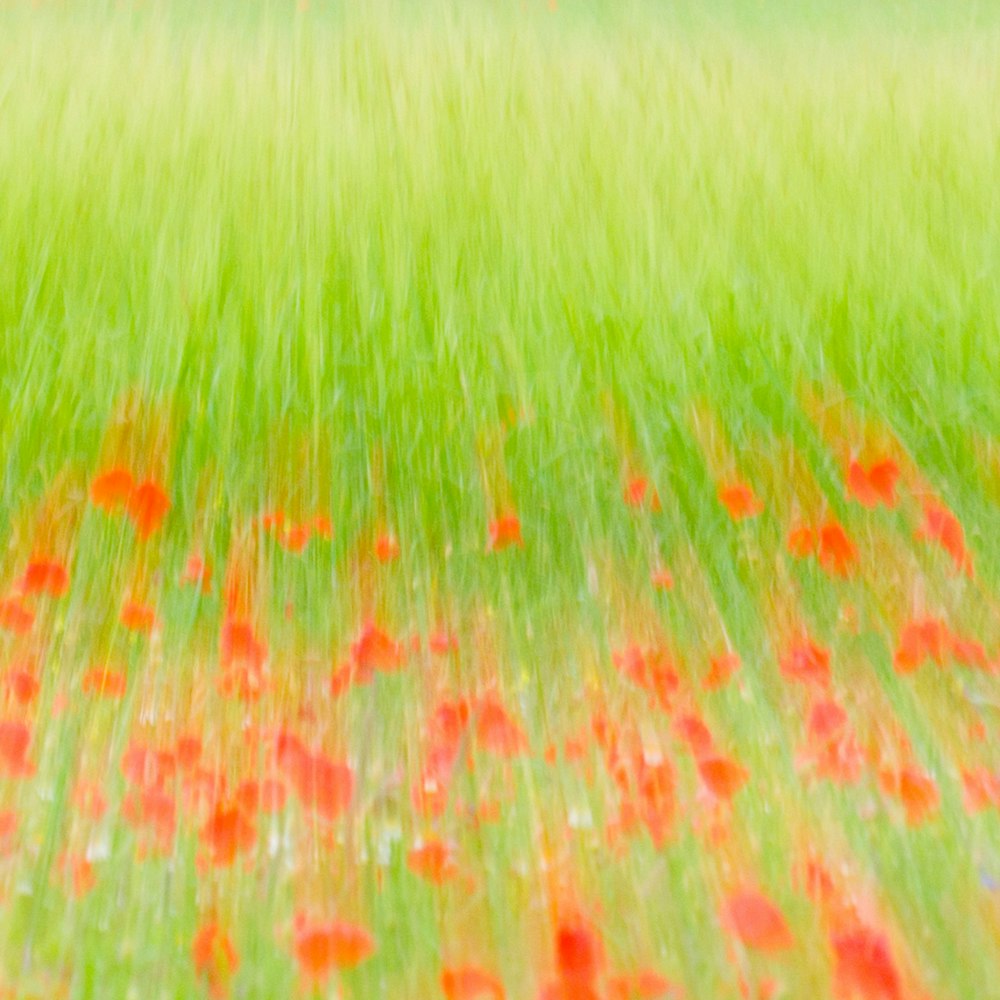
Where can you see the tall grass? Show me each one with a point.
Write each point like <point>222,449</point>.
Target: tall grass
<point>407,266</point>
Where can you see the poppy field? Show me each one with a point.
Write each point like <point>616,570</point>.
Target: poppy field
<point>499,501</point>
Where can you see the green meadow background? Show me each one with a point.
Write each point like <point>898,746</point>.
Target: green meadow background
<point>307,238</point>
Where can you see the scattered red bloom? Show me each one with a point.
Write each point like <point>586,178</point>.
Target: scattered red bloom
<point>693,731</point>
<point>917,792</point>
<point>802,541</point>
<point>144,767</point>
<point>45,576</point>
<point>104,683</point>
<point>496,731</point>
<point>374,649</point>
<point>197,573</point>
<point>153,810</point>
<point>657,806</point>
<point>919,639</point>
<point>863,965</point>
<point>8,832</point>
<point>874,485</point>
<point>322,784</point>
<point>386,548</point>
<point>579,954</point>
<point>837,553</point>
<point>505,531</point>
<point>637,492</point>
<point>89,799</point>
<point>322,526</point>
<point>80,873</point>
<point>757,921</point>
<point>322,947</point>
<point>15,615</point>
<point>238,643</point>
<point>15,738</point>
<point>942,527</point>
<point>433,860</point>
<point>969,653</point>
<point>214,956</point>
<point>721,668</point>
<point>470,982</point>
<point>981,789</point>
<point>267,796</point>
<point>294,538</point>
<point>442,642</point>
<point>111,489</point>
<point>227,833</point>
<point>653,669</point>
<point>147,506</point>
<point>807,663</point>
<point>138,617</point>
<point>646,984</point>
<point>826,719</point>
<point>723,777</point>
<point>188,752</point>
<point>23,684</point>
<point>740,501</point>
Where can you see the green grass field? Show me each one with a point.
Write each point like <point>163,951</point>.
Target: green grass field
<point>500,500</point>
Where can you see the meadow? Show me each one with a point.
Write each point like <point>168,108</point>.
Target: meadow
<point>499,500</point>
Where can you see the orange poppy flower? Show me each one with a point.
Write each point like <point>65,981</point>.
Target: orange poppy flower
<point>723,777</point>
<point>227,833</point>
<point>863,965</point>
<point>919,639</point>
<point>941,526</point>
<point>23,684</point>
<point>579,953</point>
<point>322,947</point>
<point>214,956</point>
<point>505,531</point>
<point>807,663</point>
<point>837,553</point>
<point>45,576</point>
<point>433,861</point>
<point>874,485</point>
<point>138,617</point>
<point>294,538</point>
<point>322,526</point>
<point>15,615</point>
<point>15,738</point>
<point>374,649</point>
<point>386,548</point>
<point>637,491</point>
<point>111,489</point>
<point>802,541</point>
<point>104,683</point>
<point>496,731</point>
<point>147,506</point>
<point>740,501</point>
<point>757,921</point>
<point>470,982</point>
<point>721,668</point>
<point>197,573</point>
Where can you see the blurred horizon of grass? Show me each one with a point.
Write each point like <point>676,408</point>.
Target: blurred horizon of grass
<point>380,230</point>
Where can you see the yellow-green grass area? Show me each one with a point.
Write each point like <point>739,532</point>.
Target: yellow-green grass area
<point>414,268</point>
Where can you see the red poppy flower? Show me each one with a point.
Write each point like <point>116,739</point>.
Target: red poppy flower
<point>740,501</point>
<point>45,576</point>
<point>147,506</point>
<point>504,532</point>
<point>111,489</point>
<point>757,921</point>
